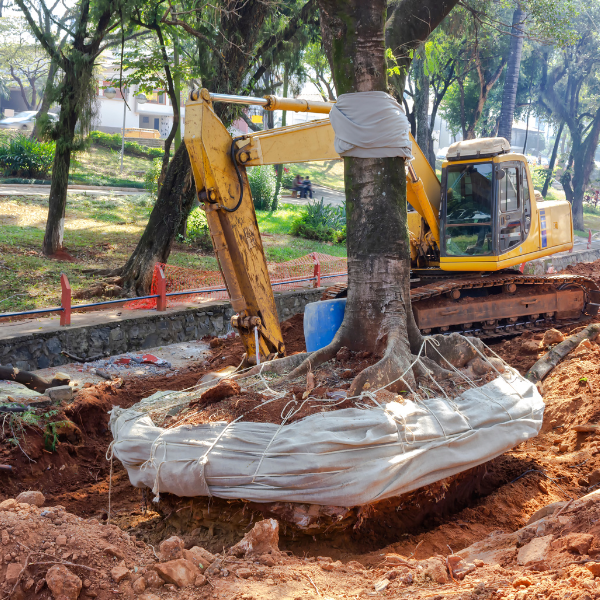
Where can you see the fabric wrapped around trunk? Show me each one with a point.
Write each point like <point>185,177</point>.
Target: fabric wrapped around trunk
<point>347,457</point>
<point>370,125</point>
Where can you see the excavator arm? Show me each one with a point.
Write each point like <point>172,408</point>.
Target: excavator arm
<point>219,167</point>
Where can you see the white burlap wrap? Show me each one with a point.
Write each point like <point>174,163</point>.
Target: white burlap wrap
<point>370,125</point>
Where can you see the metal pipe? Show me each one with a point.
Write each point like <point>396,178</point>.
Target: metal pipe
<point>189,292</point>
<point>30,312</point>
<point>120,300</point>
<point>276,103</point>
<point>233,99</point>
<point>124,300</point>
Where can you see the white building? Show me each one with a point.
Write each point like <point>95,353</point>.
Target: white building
<point>156,113</point>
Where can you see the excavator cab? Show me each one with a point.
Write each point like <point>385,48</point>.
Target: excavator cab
<point>488,207</point>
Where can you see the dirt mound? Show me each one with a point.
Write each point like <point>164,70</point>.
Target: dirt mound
<point>591,270</point>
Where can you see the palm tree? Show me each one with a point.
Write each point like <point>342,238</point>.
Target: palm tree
<point>511,81</point>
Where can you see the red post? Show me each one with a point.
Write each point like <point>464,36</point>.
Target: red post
<point>522,267</point>
<point>65,301</point>
<point>317,270</point>
<point>161,290</point>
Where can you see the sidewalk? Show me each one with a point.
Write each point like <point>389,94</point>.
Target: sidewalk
<point>329,196</point>
<point>91,190</point>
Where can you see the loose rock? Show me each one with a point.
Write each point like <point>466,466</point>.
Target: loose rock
<point>180,572</point>
<point>61,393</point>
<point>63,582</point>
<point>263,538</point>
<point>32,497</point>
<point>552,336</point>
<point>171,548</point>
<point>119,573</point>
<point>13,570</point>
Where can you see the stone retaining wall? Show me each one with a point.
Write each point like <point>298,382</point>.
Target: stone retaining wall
<point>561,261</point>
<point>134,333</point>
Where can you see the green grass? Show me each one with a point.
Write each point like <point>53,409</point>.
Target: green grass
<point>329,173</point>
<point>101,233</point>
<point>101,166</point>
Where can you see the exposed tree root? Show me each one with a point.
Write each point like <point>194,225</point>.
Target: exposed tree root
<point>543,366</point>
<point>319,357</point>
<point>453,349</point>
<point>393,371</point>
<point>30,380</point>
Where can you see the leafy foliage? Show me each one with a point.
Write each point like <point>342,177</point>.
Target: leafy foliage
<point>320,221</point>
<point>151,177</point>
<point>262,180</point>
<point>23,157</point>
<point>198,233</point>
<point>538,176</point>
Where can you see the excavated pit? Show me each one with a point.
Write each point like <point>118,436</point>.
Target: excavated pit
<point>557,465</point>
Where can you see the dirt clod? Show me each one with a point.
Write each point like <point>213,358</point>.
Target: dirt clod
<point>224,389</point>
<point>36,498</point>
<point>63,583</point>
<point>263,538</point>
<point>171,548</point>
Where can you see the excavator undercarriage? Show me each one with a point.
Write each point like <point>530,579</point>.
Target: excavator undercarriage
<point>497,305</point>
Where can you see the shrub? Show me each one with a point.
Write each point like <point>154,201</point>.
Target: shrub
<point>320,221</point>
<point>22,157</point>
<point>113,141</point>
<point>151,177</point>
<point>538,177</point>
<point>262,182</point>
<point>197,230</point>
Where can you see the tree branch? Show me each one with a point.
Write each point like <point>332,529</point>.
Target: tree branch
<point>277,41</point>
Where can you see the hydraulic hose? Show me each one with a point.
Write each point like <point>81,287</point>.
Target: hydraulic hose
<point>239,176</point>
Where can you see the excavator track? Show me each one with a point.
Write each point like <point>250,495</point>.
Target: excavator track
<point>522,303</point>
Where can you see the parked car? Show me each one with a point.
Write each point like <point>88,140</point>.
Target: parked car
<point>24,120</point>
<point>441,153</point>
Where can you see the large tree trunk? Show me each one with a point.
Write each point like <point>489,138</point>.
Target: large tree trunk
<point>511,81</point>
<point>578,191</point>
<point>57,201</point>
<point>378,315</point>
<point>173,204</point>
<point>552,160</point>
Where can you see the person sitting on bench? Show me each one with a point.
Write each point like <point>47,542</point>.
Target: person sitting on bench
<point>297,184</point>
<point>306,188</point>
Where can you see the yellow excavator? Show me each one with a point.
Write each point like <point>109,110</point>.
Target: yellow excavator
<point>468,233</point>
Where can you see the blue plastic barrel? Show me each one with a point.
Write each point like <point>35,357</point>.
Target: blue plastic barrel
<point>321,322</point>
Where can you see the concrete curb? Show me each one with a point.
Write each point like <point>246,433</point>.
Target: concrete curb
<point>38,343</point>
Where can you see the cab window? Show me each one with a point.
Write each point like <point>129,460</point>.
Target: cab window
<point>509,203</point>
<point>526,203</point>
<point>468,223</point>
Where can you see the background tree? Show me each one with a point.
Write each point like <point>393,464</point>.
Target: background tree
<point>570,90</point>
<point>94,21</point>
<point>511,81</point>
<point>237,42</point>
<point>150,64</point>
<point>24,59</point>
